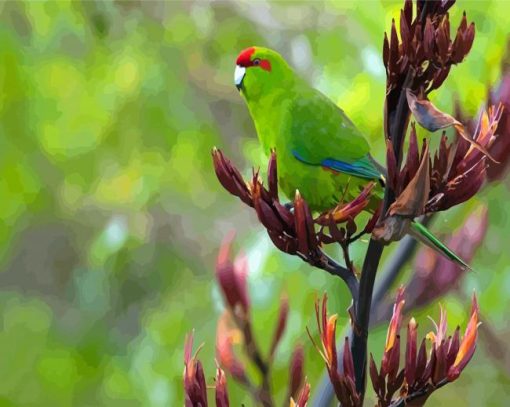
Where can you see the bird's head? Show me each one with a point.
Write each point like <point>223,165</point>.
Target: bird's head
<point>260,70</point>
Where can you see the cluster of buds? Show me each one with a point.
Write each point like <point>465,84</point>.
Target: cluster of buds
<point>500,149</point>
<point>416,65</point>
<point>456,173</point>
<point>345,213</point>
<point>422,373</point>
<point>235,326</point>
<point>457,180</point>
<point>195,389</point>
<point>426,48</point>
<point>388,379</point>
<point>343,382</point>
<point>296,231</point>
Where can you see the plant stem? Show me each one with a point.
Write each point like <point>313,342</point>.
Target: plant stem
<point>264,391</point>
<point>326,263</point>
<point>398,120</point>
<point>360,331</point>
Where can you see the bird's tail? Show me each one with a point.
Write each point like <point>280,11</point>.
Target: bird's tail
<point>422,234</point>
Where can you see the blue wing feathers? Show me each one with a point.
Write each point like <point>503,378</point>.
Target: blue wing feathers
<point>358,168</point>
<point>363,168</point>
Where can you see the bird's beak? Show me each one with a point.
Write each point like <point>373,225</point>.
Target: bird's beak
<point>239,76</point>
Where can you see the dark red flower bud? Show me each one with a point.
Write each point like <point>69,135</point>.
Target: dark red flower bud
<point>195,390</point>
<point>429,40</point>
<point>443,40</point>
<point>272,176</point>
<point>421,362</point>
<point>408,12</point>
<point>296,371</point>
<point>413,157</point>
<point>453,347</point>
<point>386,51</point>
<point>232,278</point>
<point>221,389</point>
<point>348,363</point>
<point>405,34</point>
<point>394,49</point>
<point>230,177</point>
<point>390,357</point>
<point>440,367</point>
<point>393,360</point>
<point>467,346</point>
<point>226,335</point>
<point>429,368</point>
<point>265,212</point>
<point>377,380</point>
<point>344,212</point>
<point>280,325</point>
<point>410,361</point>
<point>307,241</point>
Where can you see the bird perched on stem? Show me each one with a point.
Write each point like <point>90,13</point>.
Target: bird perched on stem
<point>319,150</point>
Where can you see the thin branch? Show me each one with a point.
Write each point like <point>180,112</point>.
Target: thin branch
<point>252,389</point>
<point>263,393</point>
<point>356,237</point>
<point>347,256</point>
<point>332,267</point>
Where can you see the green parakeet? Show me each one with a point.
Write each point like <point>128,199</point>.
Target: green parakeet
<point>319,150</point>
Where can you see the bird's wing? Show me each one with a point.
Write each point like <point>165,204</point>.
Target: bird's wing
<point>361,168</point>
<point>321,134</point>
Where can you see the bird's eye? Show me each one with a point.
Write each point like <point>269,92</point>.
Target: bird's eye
<point>256,61</point>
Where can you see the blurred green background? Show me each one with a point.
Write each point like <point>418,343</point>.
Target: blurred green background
<point>111,215</point>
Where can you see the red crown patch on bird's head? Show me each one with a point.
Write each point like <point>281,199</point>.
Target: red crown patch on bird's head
<point>244,58</point>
